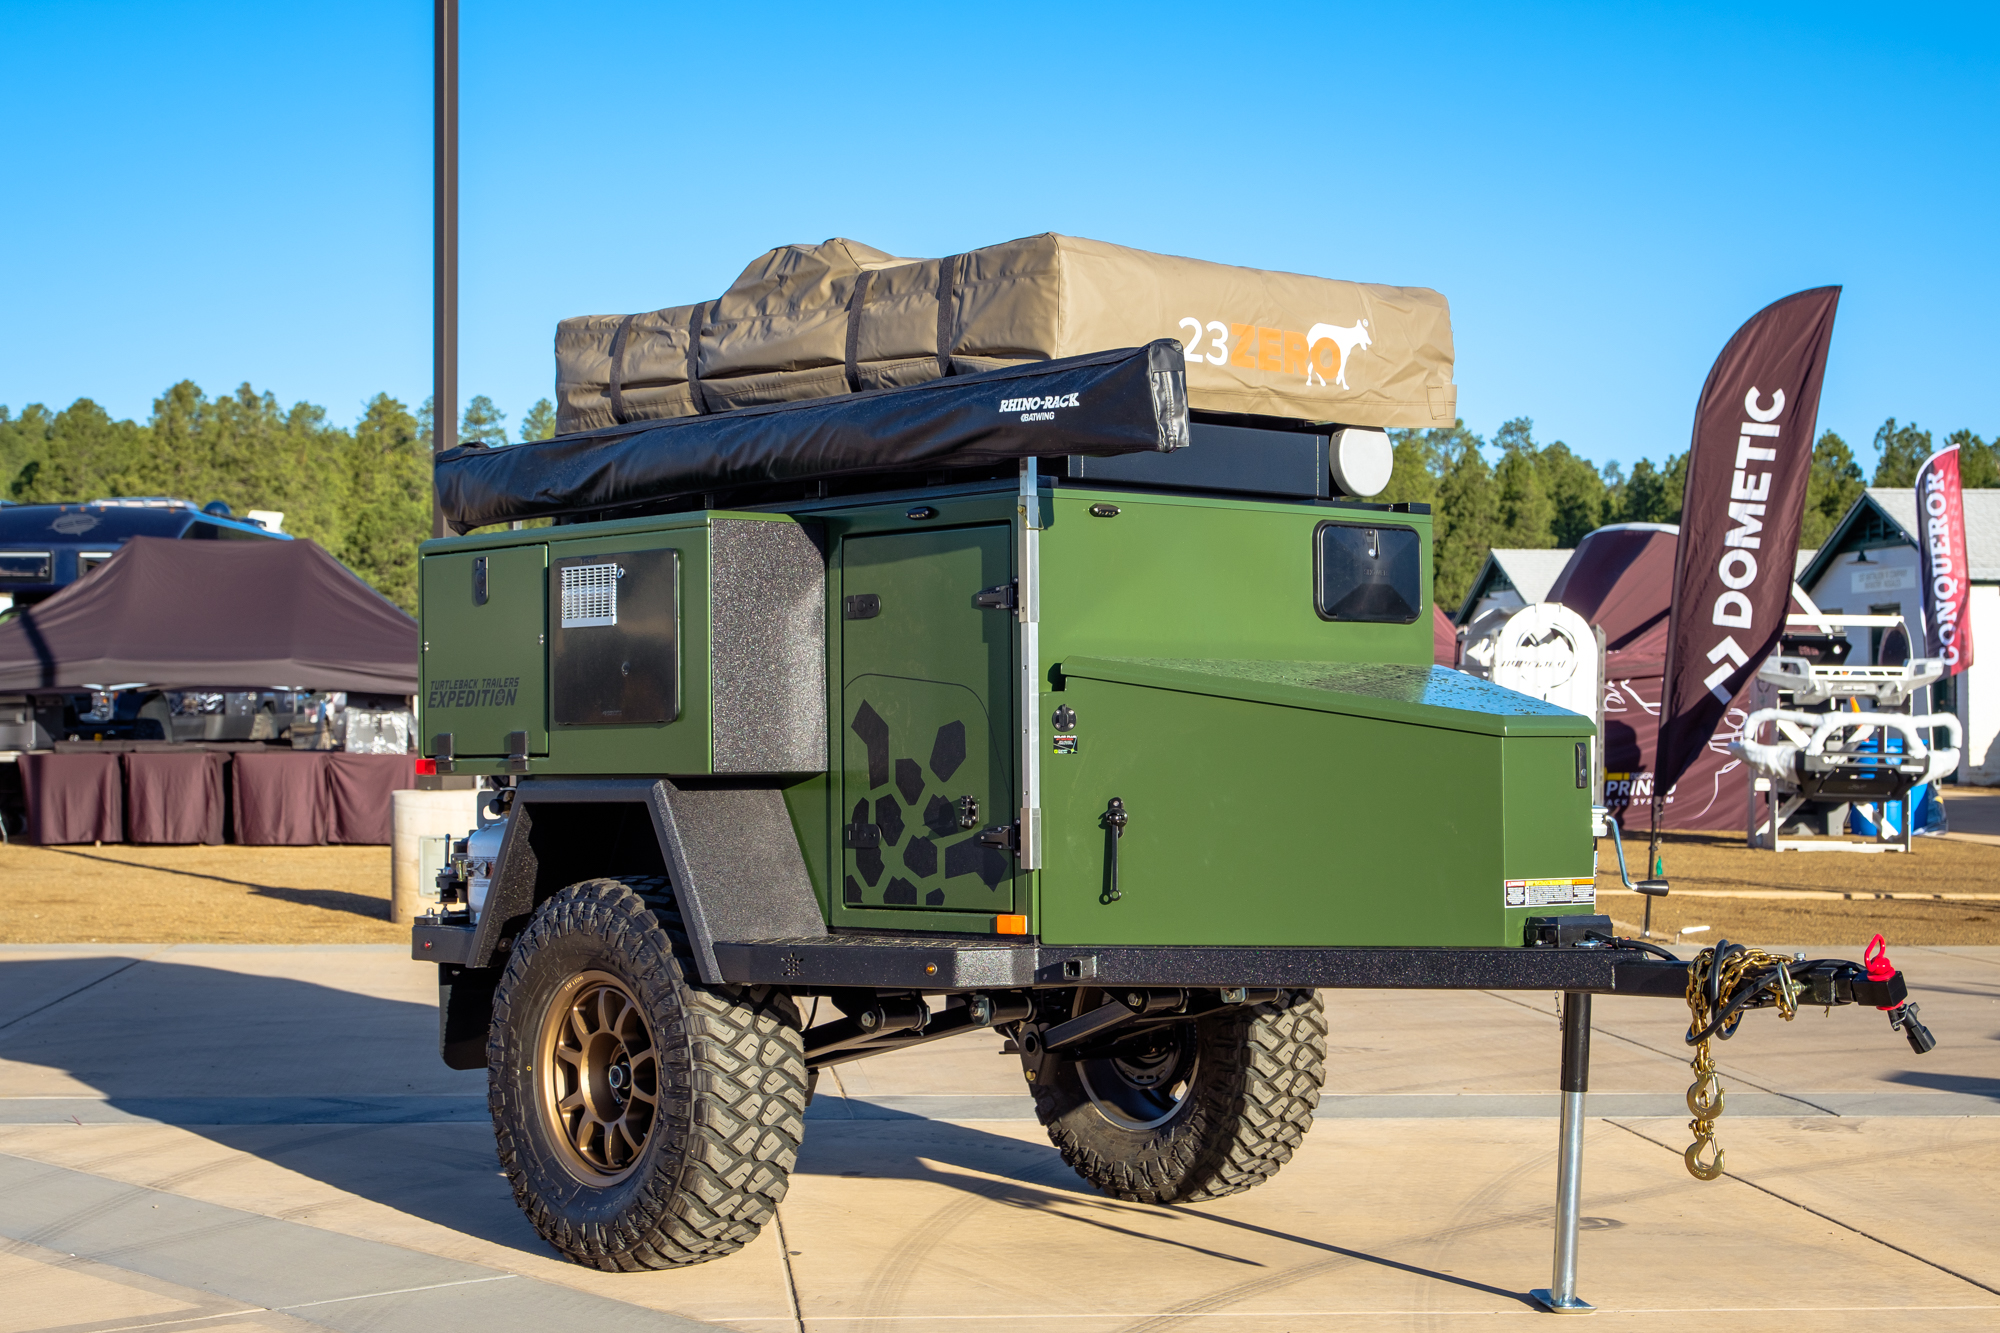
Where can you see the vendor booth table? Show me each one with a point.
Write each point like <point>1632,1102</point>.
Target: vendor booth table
<point>209,616</point>
<point>144,792</point>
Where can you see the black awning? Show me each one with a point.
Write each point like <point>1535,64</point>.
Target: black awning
<point>1119,402</point>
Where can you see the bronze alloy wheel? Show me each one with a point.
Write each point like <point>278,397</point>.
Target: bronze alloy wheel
<point>600,1076</point>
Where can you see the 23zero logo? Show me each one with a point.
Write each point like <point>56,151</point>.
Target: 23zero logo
<point>1320,354</point>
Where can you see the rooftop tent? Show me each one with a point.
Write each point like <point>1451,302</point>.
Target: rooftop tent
<point>809,321</point>
<point>1621,579</point>
<point>214,615</point>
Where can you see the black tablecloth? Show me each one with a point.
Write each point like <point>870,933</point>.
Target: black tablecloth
<point>73,798</point>
<point>274,797</point>
<point>359,787</point>
<point>281,798</point>
<point>174,797</point>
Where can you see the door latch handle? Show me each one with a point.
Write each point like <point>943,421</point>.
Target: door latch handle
<point>1114,822</point>
<point>1004,836</point>
<point>968,812</point>
<point>863,835</point>
<point>1001,598</point>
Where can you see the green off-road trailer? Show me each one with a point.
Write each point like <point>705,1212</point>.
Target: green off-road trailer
<point>1026,700</point>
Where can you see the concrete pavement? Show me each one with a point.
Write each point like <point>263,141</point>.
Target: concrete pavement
<point>263,1137</point>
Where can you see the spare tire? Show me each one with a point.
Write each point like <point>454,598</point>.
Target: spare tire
<point>1201,1109</point>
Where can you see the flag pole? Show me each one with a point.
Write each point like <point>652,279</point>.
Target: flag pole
<point>444,254</point>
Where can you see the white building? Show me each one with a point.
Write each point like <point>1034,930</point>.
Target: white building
<point>1869,567</point>
<point>1510,579</point>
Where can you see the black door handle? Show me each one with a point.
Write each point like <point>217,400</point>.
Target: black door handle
<point>1114,824</point>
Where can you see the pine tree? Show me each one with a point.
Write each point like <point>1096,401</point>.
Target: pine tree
<point>1467,518</point>
<point>1903,450</point>
<point>540,421</point>
<point>1831,489</point>
<point>483,422</point>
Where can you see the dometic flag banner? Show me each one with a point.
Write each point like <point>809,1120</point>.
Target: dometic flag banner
<point>1941,511</point>
<point>1740,515</point>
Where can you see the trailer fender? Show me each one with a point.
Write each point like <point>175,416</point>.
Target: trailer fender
<point>726,847</point>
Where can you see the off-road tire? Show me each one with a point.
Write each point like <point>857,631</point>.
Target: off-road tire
<point>1248,1104</point>
<point>731,1087</point>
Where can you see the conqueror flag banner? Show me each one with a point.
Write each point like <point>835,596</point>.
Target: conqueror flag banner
<point>1941,547</point>
<point>1746,490</point>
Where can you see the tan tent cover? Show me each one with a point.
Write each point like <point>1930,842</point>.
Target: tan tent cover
<point>806,321</point>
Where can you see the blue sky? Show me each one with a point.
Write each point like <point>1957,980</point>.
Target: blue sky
<point>242,192</point>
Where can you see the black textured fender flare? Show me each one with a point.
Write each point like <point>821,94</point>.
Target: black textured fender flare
<point>731,857</point>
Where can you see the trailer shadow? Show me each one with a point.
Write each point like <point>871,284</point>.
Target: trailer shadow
<point>344,1088</point>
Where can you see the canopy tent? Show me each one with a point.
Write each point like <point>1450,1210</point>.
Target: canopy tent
<point>213,615</point>
<point>1621,578</point>
<point>1444,638</point>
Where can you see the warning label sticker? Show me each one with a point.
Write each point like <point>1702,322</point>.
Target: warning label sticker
<point>1551,892</point>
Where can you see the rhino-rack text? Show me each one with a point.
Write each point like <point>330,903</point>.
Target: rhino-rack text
<point>1038,409</point>
<point>473,692</point>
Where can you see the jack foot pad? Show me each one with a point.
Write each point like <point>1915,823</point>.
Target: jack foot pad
<point>1561,1304</point>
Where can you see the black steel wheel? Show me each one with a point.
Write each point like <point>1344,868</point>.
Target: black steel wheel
<point>1197,1110</point>
<point>644,1120</point>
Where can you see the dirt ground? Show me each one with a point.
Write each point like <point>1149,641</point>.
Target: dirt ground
<point>1704,867</point>
<point>176,895</point>
<point>1700,865</point>
<point>340,895</point>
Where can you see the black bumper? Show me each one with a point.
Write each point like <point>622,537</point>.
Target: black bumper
<point>918,963</point>
<point>935,963</point>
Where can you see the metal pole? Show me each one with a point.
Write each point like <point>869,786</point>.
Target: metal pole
<point>1560,1296</point>
<point>444,252</point>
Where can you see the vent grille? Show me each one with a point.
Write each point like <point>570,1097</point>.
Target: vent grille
<point>589,595</point>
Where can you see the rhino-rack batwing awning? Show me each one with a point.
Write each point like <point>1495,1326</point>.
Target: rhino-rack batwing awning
<point>1121,402</point>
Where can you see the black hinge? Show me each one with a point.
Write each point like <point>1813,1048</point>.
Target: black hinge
<point>1001,598</point>
<point>864,605</point>
<point>863,835</point>
<point>1007,836</point>
<point>517,752</point>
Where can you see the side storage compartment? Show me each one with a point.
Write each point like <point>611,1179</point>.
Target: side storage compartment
<point>686,645</point>
<point>1306,804</point>
<point>483,616</point>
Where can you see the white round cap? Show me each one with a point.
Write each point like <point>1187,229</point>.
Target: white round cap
<point>1362,461</point>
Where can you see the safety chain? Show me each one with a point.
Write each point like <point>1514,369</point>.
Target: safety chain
<point>1704,1095</point>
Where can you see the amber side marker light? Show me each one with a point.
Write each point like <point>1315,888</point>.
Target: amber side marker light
<point>1010,925</point>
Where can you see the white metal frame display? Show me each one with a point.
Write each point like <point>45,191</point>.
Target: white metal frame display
<point>1839,735</point>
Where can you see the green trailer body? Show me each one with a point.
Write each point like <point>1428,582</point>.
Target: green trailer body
<point>1290,779</point>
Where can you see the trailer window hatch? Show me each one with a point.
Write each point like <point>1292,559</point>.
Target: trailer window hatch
<point>1368,572</point>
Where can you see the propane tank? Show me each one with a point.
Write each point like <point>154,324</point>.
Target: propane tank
<point>482,853</point>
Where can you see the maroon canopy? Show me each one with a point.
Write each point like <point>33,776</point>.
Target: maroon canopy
<point>1622,579</point>
<point>1444,638</point>
<point>213,615</point>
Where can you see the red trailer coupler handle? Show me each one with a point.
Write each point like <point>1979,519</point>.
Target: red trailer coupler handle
<point>1902,1013</point>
